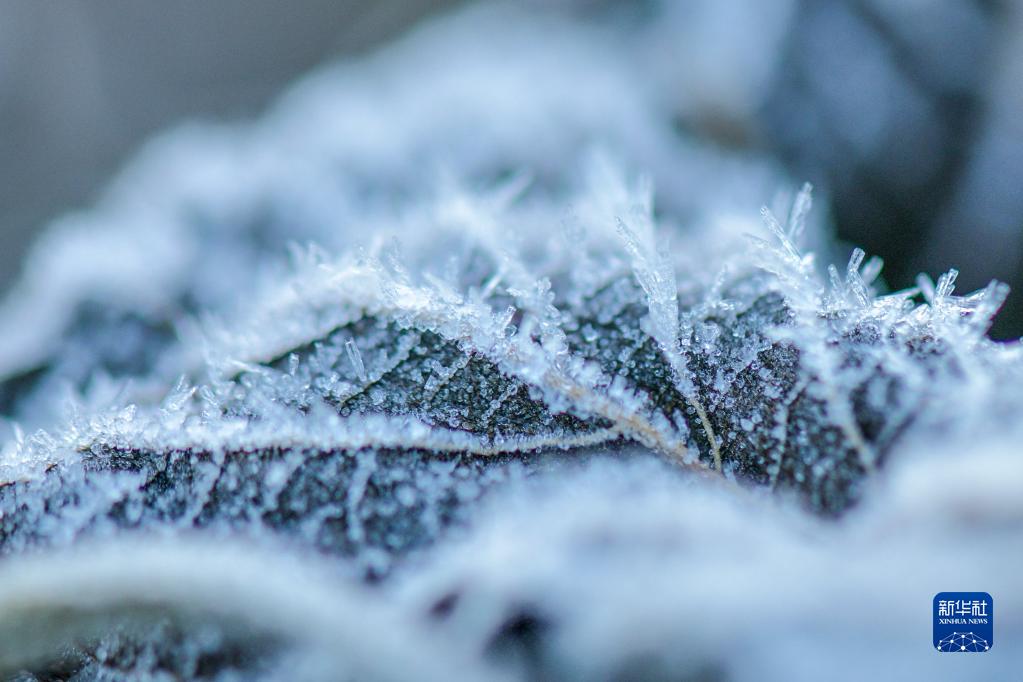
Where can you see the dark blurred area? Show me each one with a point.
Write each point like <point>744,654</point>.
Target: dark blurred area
<point>910,113</point>
<point>906,114</point>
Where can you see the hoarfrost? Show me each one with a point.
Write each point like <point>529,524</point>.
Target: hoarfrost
<point>369,389</point>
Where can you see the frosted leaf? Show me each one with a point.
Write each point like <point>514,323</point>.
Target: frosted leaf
<point>460,356</point>
<point>373,506</point>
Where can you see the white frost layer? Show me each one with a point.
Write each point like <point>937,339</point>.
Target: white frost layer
<point>622,561</point>
<point>52,601</point>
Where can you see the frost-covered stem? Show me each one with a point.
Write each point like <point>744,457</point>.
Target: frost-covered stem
<point>715,449</point>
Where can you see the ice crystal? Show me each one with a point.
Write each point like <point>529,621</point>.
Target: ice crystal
<point>461,355</point>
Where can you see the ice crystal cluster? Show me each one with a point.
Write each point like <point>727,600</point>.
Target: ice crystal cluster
<point>464,363</point>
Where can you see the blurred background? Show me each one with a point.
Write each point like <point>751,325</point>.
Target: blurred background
<point>907,114</point>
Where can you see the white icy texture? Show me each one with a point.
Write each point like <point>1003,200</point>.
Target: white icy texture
<point>299,602</point>
<point>427,322</point>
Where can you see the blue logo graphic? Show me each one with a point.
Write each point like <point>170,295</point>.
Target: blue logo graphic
<point>964,622</point>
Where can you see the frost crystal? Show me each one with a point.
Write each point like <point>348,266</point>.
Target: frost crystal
<point>459,355</point>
